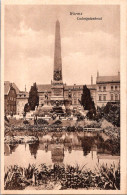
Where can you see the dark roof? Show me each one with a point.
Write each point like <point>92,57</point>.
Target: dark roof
<point>107,79</point>
<point>47,87</point>
<point>16,88</point>
<point>44,87</point>
<point>7,85</point>
<point>23,93</point>
<point>93,86</point>
<point>79,86</point>
<point>66,87</point>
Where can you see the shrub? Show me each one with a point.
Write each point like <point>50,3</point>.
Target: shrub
<point>42,122</point>
<point>58,122</point>
<point>26,122</point>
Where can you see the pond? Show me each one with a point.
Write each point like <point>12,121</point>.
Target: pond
<point>75,148</point>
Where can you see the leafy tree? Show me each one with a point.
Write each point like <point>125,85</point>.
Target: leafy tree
<point>33,99</point>
<point>88,103</point>
<point>26,108</point>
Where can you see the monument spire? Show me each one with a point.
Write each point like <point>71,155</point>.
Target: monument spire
<point>57,75</point>
<point>57,96</point>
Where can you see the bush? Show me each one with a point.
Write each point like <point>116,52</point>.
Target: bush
<point>42,122</point>
<point>58,122</point>
<point>111,112</point>
<point>69,177</point>
<point>26,122</point>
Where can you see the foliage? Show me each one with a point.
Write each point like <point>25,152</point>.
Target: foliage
<point>26,122</point>
<point>42,122</point>
<point>88,103</point>
<point>69,177</point>
<point>111,112</point>
<point>80,117</point>
<point>26,108</point>
<point>58,122</point>
<point>33,99</point>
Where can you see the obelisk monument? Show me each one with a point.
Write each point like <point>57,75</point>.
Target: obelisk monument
<point>57,96</point>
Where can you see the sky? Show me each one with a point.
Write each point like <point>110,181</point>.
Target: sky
<point>87,46</point>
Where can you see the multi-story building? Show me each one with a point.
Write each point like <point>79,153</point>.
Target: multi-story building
<point>71,92</point>
<point>15,99</point>
<point>107,89</point>
<point>22,99</point>
<point>9,98</point>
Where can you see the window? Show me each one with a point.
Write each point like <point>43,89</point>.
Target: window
<point>74,94</point>
<point>79,94</point>
<point>75,101</point>
<point>104,97</point>
<point>69,94</point>
<point>115,87</point>
<point>99,97</point>
<point>99,88</point>
<point>104,88</point>
<point>111,97</point>
<point>112,88</point>
<point>116,97</point>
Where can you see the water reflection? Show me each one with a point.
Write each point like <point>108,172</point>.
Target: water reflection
<point>33,149</point>
<point>9,148</point>
<point>61,148</point>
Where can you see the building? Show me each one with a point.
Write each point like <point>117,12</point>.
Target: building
<point>15,99</point>
<point>9,98</point>
<point>106,89</point>
<point>22,99</point>
<point>57,92</point>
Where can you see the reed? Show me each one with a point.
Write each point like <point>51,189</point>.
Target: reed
<point>69,177</point>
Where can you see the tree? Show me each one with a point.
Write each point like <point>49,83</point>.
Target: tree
<point>33,99</point>
<point>26,108</point>
<point>87,102</point>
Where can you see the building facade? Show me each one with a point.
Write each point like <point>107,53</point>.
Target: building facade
<point>22,99</point>
<point>9,98</point>
<point>106,89</point>
<point>14,99</point>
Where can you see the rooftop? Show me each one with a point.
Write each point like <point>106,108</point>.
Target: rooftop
<point>44,87</point>
<point>7,85</point>
<point>47,87</point>
<point>107,79</point>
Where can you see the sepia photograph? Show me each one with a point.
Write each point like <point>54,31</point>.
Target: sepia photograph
<point>62,97</point>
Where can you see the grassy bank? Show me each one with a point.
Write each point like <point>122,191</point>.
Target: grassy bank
<point>47,177</point>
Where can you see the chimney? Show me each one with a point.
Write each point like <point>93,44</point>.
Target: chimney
<point>25,88</point>
<point>91,80</point>
<point>97,74</point>
<point>118,73</point>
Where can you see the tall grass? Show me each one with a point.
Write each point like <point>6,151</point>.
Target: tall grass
<point>103,177</point>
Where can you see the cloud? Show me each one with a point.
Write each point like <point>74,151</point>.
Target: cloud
<point>86,46</point>
<point>100,43</point>
<point>78,67</point>
<point>28,43</point>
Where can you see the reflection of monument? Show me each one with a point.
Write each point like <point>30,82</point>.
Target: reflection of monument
<point>33,149</point>
<point>57,153</point>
